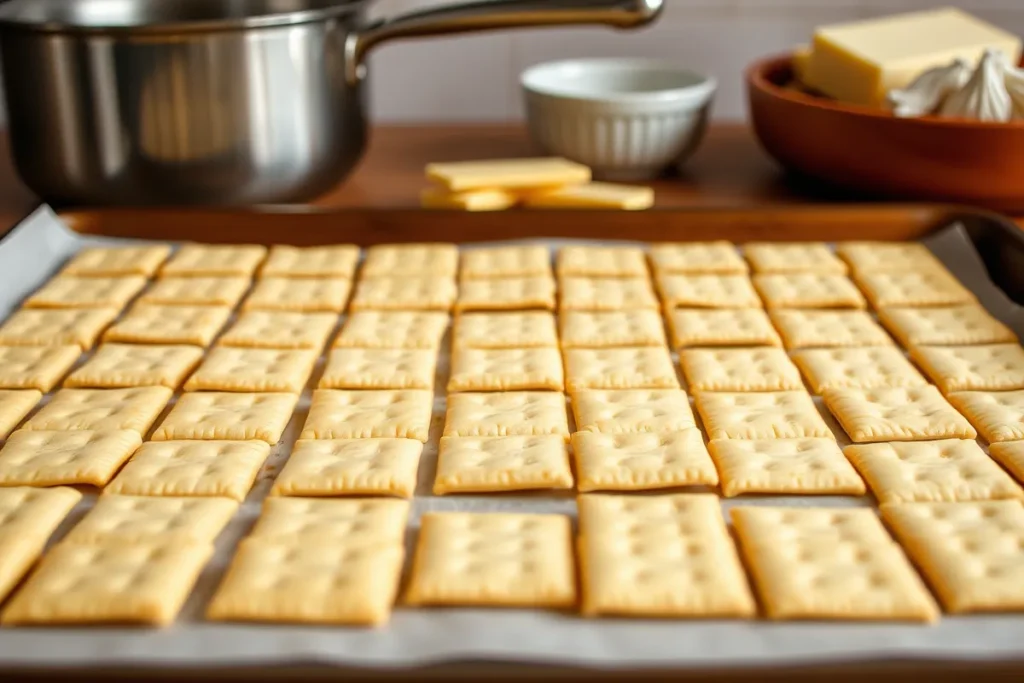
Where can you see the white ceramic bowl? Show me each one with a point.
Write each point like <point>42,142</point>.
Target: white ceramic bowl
<point>627,119</point>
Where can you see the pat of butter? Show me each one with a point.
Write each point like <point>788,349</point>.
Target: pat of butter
<point>859,62</point>
<point>474,200</point>
<point>593,196</point>
<point>801,61</point>
<point>507,174</point>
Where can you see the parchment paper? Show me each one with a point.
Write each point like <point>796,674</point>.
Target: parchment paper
<point>35,250</point>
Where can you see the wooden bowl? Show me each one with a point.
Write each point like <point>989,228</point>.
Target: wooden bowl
<point>876,153</point>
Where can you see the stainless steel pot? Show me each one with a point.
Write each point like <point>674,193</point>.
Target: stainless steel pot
<point>215,101</point>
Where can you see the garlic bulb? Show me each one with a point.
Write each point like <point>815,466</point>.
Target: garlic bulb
<point>929,91</point>
<point>984,97</point>
<point>1015,88</point>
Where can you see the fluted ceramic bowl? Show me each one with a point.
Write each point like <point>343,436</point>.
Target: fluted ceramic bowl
<point>627,119</point>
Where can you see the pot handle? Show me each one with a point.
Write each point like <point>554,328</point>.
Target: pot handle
<point>493,14</point>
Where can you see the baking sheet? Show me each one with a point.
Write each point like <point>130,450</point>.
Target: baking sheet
<point>414,637</point>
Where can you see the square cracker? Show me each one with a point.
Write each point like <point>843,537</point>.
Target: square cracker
<point>511,413</point>
<point>784,467</point>
<point>493,559</point>
<point>913,288</point>
<point>144,583</point>
<point>223,416</point>
<point>757,369</point>
<point>521,329</point>
<point>42,458</point>
<point>766,415</point>
<point>215,260</point>
<point>254,370</point>
<point>28,517</point>
<point>827,563</point>
<point>593,261</point>
<point>379,369</point>
<point>606,294</point>
<point>425,258</point>
<point>945,326</point>
<point>129,520</point>
<point>1009,454</point>
<point>358,522</point>
<point>987,367</point>
<point>696,257</point>
<point>332,260</point>
<point>506,369</point>
<point>632,410</point>
<point>417,293</point>
<point>400,414</point>
<point>15,404</point>
<point>858,368</point>
<point>801,329</point>
<point>997,415</point>
<point>927,471</point>
<point>707,291</point>
<point>601,329</point>
<point>285,581</point>
<point>502,463</point>
<point>35,367</point>
<point>793,257</point>
<point>393,330</point>
<point>279,330</point>
<point>511,261</point>
<point>102,409</point>
<point>290,294</point>
<point>866,256</point>
<point>131,365</point>
<point>638,461</point>
<point>68,291</point>
<point>808,290</point>
<point>148,324</point>
<point>192,468</point>
<point>339,467</point>
<point>117,261</point>
<point>896,414</point>
<point>956,544</point>
<point>721,327</point>
<point>660,556</point>
<point>196,291</point>
<point>506,294</point>
<point>56,327</point>
<point>646,367</point>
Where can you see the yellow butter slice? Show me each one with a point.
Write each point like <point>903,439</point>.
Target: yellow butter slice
<point>593,196</point>
<point>474,200</point>
<point>507,174</point>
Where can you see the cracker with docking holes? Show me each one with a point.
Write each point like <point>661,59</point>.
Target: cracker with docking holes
<point>397,413</point>
<point>149,324</point>
<point>393,330</point>
<point>69,291</point>
<point>660,556</point>
<point>826,563</point>
<point>696,257</point>
<point>353,467</point>
<point>784,467</point>
<point>857,368</point>
<point>913,289</point>
<point>606,294</point>
<point>228,416</point>
<point>15,404</point>
<point>945,326</point>
<point>506,370</point>
<point>793,257</point>
<point>28,517</point>
<point>493,559</point>
<point>56,327</point>
<point>510,413</point>
<point>521,329</point>
<point>594,261</point>
<point>36,367</point>
<point>764,415</point>
<point>502,262</point>
<point>41,458</point>
<point>692,327</point>
<point>918,413</point>
<point>214,260</point>
<point>507,294</point>
<point>603,329</point>
<point>399,260</point>
<point>988,367</point>
<point>867,257</point>
<point>135,409</point>
<point>196,291</point>
<point>357,522</point>
<point>417,293</point>
<point>756,369</point>
<point>311,295</point>
<point>646,367</point>
<point>632,410</point>
<point>379,369</point>
<point>997,415</point>
<point>192,468</point>
<point>114,366</point>
<point>801,329</point>
<point>640,461</point>
<point>279,330</point>
<point>333,260</point>
<point>502,463</point>
<point>707,291</point>
<point>253,370</point>
<point>929,471</point>
<point>137,519</point>
<point>808,290</point>
<point>117,261</point>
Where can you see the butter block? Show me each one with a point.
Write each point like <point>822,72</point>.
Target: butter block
<point>507,174</point>
<point>492,199</point>
<point>593,196</point>
<point>859,62</point>
<point>801,62</point>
